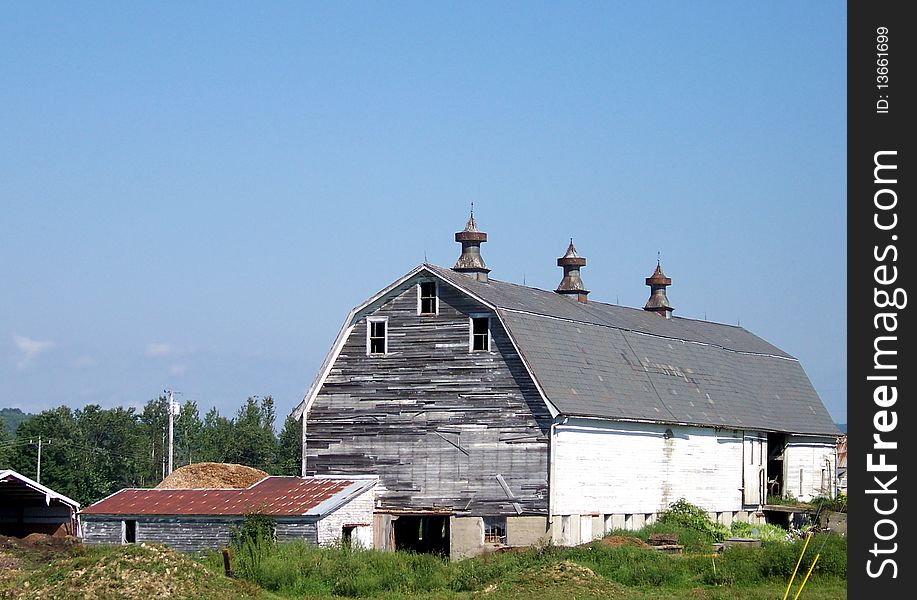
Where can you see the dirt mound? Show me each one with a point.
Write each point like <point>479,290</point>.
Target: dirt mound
<point>568,571</point>
<point>616,541</point>
<point>140,571</point>
<point>561,579</point>
<point>212,475</point>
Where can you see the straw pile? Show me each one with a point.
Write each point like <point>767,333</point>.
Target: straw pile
<point>212,475</point>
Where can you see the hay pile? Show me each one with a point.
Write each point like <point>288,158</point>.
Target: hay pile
<point>212,475</point>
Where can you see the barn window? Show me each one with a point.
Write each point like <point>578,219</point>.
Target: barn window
<point>128,532</point>
<point>480,334</point>
<point>376,335</point>
<point>427,300</point>
<point>494,530</point>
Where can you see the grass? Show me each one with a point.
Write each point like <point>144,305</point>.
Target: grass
<point>296,570</point>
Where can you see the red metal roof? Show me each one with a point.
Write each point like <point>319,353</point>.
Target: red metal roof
<point>276,496</point>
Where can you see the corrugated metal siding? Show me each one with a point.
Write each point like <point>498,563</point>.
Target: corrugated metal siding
<point>631,468</point>
<point>436,422</point>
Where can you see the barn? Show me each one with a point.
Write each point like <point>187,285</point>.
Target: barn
<point>320,510</point>
<point>27,506</point>
<point>497,414</point>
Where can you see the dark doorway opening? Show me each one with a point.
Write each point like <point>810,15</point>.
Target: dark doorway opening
<point>422,533</point>
<point>347,535</point>
<point>776,445</point>
<point>130,532</point>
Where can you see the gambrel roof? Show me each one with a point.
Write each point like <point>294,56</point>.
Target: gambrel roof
<point>602,360</point>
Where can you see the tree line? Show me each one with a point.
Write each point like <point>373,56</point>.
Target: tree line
<point>92,452</point>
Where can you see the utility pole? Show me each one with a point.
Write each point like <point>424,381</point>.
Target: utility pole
<point>172,413</point>
<point>38,470</point>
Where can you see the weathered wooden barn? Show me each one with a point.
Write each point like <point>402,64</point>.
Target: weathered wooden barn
<point>498,414</point>
<point>27,506</point>
<point>321,510</point>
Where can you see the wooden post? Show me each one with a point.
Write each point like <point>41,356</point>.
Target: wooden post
<point>227,563</point>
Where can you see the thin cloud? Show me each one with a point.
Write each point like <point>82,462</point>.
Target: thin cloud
<point>84,362</point>
<point>29,349</point>
<point>158,349</point>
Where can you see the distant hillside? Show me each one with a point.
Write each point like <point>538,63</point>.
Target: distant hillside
<point>12,417</point>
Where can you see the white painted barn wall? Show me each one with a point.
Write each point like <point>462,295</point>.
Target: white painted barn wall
<point>357,511</point>
<point>607,467</point>
<point>815,457</point>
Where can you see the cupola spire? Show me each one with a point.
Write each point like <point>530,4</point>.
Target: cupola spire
<point>658,301</point>
<point>572,285</point>
<point>470,262</point>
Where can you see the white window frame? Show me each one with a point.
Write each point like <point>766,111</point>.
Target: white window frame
<point>490,336</point>
<point>369,329</point>
<point>493,524</point>
<point>435,297</point>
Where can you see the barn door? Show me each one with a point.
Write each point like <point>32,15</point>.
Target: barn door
<point>753,468</point>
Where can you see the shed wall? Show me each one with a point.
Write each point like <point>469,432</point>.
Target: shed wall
<point>101,531</point>
<point>809,465</point>
<point>358,511</point>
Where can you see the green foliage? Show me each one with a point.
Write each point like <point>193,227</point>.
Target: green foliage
<point>10,418</point>
<point>787,500</point>
<point>255,528</point>
<point>90,453</point>
<point>253,442</point>
<point>760,531</point>
<point>838,504</point>
<point>289,451</point>
<point>253,540</point>
<point>6,439</point>
<point>296,569</point>
<point>682,513</point>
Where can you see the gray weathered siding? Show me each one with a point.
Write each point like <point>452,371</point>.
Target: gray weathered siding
<point>436,422</point>
<point>101,531</point>
<point>300,530</point>
<point>187,535</point>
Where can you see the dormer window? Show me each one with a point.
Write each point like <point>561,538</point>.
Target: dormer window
<point>427,298</point>
<point>376,336</point>
<point>480,334</point>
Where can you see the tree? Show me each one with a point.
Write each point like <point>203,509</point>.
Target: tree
<point>6,440</point>
<point>289,450</point>
<point>64,455</point>
<point>154,422</point>
<point>188,436</point>
<point>254,442</point>
<point>115,446</point>
<point>216,437</point>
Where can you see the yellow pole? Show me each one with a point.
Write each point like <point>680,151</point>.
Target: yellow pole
<point>807,577</point>
<point>798,562</point>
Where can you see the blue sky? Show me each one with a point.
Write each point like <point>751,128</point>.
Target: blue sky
<point>195,194</point>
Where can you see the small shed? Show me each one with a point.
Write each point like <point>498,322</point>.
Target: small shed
<point>320,510</point>
<point>27,507</point>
